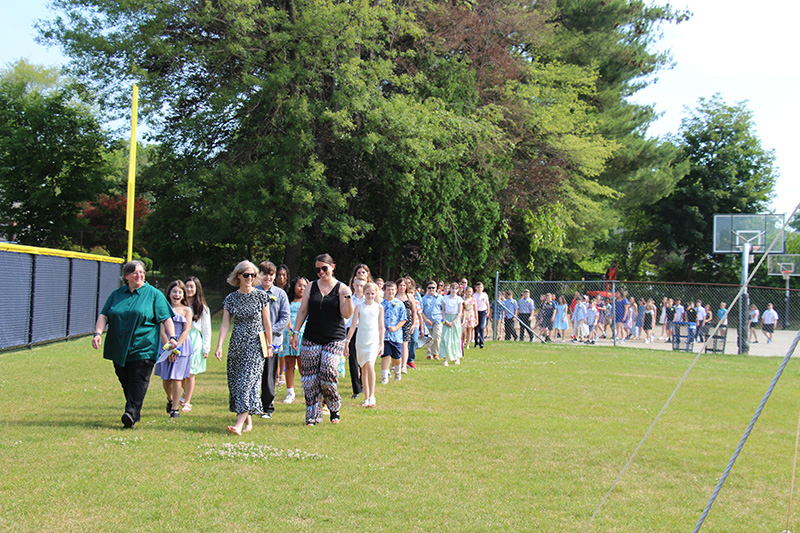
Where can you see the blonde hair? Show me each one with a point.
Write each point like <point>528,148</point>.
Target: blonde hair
<point>371,284</point>
<point>233,277</point>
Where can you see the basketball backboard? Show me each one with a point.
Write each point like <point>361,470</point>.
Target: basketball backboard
<point>731,232</point>
<point>783,264</point>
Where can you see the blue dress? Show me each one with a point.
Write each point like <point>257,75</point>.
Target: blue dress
<point>294,307</point>
<point>180,369</point>
<point>561,317</point>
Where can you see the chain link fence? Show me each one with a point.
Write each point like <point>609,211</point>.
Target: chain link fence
<point>654,315</point>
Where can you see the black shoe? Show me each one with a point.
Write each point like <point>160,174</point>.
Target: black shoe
<point>174,413</point>
<point>354,397</point>
<point>267,416</point>
<point>334,417</point>
<point>127,420</point>
<point>169,406</point>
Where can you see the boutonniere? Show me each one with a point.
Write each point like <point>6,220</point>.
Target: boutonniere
<point>394,303</point>
<point>272,297</point>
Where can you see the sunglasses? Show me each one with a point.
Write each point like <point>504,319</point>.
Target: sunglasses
<point>431,287</point>
<point>249,275</point>
<point>323,268</point>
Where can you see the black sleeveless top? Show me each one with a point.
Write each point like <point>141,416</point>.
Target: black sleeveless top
<point>325,322</point>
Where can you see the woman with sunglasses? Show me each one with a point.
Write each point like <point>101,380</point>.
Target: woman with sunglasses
<point>326,303</point>
<point>249,309</point>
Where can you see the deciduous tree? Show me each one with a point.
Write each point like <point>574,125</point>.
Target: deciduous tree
<point>51,157</point>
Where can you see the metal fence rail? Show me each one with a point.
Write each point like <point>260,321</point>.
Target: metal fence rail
<point>728,340</point>
<point>48,295</point>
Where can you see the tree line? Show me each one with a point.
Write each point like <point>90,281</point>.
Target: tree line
<point>434,137</point>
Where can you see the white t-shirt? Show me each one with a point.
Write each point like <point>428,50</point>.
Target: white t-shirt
<point>770,316</point>
<point>483,301</point>
<point>452,304</point>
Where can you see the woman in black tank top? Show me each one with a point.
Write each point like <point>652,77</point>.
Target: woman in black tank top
<point>326,304</point>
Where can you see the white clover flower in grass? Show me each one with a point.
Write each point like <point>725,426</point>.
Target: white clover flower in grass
<point>250,451</point>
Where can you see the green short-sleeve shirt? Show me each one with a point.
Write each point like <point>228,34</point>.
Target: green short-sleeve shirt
<point>133,323</point>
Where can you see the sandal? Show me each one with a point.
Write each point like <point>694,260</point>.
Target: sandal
<point>186,407</point>
<point>174,413</point>
<point>335,417</point>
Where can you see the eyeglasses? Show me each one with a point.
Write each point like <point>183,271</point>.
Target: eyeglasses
<point>249,275</point>
<point>323,268</point>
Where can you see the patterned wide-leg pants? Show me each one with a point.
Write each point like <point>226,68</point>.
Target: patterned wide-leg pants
<point>319,363</point>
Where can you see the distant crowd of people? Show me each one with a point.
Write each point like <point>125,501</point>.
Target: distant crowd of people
<point>588,318</point>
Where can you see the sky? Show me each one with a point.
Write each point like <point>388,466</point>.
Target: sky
<point>744,51</point>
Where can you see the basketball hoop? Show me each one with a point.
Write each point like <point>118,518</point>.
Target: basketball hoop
<point>787,274</point>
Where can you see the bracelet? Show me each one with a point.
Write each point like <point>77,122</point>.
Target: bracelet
<point>97,334</point>
<point>174,338</point>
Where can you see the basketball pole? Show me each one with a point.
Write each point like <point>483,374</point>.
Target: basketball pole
<point>787,310</point>
<point>744,303</point>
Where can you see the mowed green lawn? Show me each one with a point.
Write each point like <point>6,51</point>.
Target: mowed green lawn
<point>520,437</point>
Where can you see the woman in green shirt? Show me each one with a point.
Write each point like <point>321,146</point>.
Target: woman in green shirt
<point>133,314</point>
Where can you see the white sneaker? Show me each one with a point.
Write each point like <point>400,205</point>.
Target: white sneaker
<point>458,361</point>
<point>446,363</point>
<point>398,376</point>
<point>289,397</point>
<point>371,402</point>
<point>384,381</point>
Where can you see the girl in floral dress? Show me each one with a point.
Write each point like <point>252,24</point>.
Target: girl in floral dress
<point>402,295</point>
<point>470,317</point>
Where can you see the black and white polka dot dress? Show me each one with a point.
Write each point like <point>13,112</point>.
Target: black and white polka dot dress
<point>245,360</point>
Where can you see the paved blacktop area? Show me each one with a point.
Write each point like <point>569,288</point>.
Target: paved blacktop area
<point>782,341</point>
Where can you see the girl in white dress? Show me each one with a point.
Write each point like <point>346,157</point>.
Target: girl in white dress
<point>368,321</point>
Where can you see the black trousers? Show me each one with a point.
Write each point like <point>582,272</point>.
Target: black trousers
<point>479,328</point>
<point>525,318</point>
<point>268,378</point>
<point>134,378</point>
<point>355,372</point>
<point>511,329</point>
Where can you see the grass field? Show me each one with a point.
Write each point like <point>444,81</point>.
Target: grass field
<point>520,437</point>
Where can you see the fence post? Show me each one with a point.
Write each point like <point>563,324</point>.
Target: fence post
<point>69,296</point>
<point>788,307</point>
<point>494,314</point>
<point>33,301</point>
<point>614,310</point>
<point>744,304</point>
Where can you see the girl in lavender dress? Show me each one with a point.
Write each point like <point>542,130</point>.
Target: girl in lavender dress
<point>174,367</point>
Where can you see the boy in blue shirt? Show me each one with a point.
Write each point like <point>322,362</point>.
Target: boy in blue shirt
<point>526,309</point>
<point>432,316</point>
<point>510,311</point>
<point>394,316</point>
